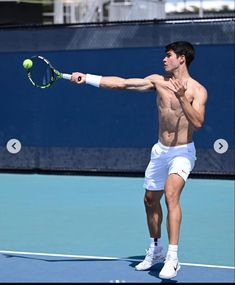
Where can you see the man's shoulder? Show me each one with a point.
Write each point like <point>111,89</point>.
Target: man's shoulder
<point>198,85</point>
<point>156,77</point>
<point>199,91</point>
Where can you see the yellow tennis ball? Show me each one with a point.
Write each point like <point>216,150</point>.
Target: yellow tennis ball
<point>27,63</point>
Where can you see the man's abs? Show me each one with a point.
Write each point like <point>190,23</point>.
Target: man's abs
<point>174,139</point>
<point>175,131</point>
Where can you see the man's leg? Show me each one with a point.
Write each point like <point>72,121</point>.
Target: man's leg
<point>154,219</point>
<point>173,188</point>
<point>153,212</point>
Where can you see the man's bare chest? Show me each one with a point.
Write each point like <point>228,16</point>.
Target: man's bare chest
<point>168,101</point>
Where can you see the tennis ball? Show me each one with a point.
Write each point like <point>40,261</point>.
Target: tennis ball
<point>27,63</point>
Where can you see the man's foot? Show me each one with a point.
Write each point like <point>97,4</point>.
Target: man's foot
<point>170,268</point>
<point>153,256</point>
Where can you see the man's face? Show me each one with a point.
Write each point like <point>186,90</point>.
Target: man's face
<point>171,61</point>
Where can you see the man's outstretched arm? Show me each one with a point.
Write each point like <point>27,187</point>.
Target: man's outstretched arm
<point>114,82</point>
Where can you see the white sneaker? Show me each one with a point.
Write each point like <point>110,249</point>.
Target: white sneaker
<point>153,256</point>
<point>170,268</point>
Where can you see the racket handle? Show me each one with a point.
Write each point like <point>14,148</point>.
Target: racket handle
<point>66,76</point>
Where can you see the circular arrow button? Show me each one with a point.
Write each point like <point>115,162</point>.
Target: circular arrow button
<point>13,146</point>
<point>220,146</point>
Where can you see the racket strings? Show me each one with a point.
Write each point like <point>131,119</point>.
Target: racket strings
<point>41,74</point>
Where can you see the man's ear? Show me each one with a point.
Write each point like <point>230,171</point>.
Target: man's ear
<point>182,59</point>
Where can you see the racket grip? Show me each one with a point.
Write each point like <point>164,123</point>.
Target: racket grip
<point>66,76</point>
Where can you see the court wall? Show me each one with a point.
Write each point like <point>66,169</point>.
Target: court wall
<point>83,128</point>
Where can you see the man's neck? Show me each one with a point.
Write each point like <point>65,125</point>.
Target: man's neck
<point>180,74</point>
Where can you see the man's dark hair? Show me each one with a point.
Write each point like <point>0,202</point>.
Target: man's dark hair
<point>182,48</point>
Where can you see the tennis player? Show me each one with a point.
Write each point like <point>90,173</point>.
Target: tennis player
<point>181,102</point>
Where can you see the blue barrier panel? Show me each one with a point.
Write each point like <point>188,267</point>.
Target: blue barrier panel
<point>69,127</point>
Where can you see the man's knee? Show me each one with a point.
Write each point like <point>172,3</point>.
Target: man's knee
<point>152,199</point>
<point>173,188</point>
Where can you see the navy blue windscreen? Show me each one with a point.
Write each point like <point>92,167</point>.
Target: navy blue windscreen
<point>76,127</point>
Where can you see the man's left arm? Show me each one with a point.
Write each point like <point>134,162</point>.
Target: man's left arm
<point>195,111</point>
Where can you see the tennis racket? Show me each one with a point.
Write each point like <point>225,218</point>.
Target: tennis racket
<point>42,74</point>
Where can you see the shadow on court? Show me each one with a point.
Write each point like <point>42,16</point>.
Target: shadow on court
<point>31,268</point>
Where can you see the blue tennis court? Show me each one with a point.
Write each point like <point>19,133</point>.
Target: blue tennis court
<point>93,229</point>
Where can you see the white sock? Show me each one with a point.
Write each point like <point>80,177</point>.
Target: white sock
<point>172,251</point>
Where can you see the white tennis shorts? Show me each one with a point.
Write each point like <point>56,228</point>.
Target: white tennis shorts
<point>166,160</point>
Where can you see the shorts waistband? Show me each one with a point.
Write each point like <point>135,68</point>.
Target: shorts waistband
<point>188,145</point>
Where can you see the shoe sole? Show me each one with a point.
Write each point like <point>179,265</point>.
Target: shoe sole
<point>172,276</point>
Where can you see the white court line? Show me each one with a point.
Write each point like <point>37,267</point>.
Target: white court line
<point>208,265</point>
<point>103,257</point>
<point>56,255</point>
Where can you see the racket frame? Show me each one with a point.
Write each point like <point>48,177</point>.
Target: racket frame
<point>55,74</point>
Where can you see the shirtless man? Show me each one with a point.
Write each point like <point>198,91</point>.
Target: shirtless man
<point>181,104</point>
